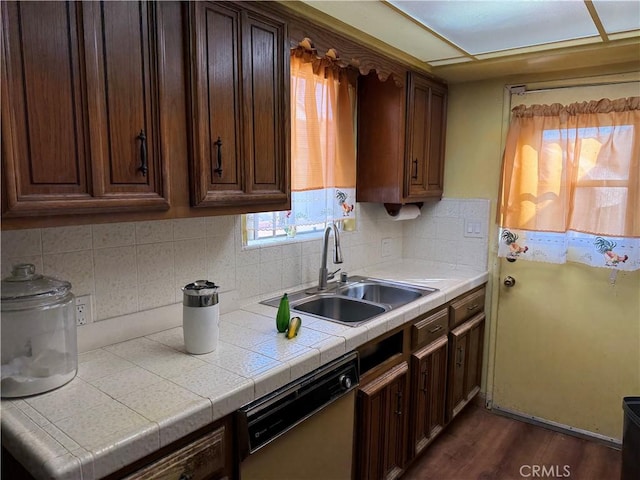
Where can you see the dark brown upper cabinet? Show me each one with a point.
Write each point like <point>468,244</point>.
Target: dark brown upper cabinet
<point>401,139</point>
<point>239,68</point>
<point>80,120</point>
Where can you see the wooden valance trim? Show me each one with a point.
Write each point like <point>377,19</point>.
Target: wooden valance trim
<point>349,50</point>
<point>329,60</point>
<point>327,33</point>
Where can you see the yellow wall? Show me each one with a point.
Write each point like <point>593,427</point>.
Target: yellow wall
<point>564,344</point>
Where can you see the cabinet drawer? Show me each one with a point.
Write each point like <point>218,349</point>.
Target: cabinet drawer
<point>466,307</point>
<point>204,458</point>
<point>427,330</point>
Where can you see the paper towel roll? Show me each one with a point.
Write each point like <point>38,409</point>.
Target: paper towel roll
<point>406,212</point>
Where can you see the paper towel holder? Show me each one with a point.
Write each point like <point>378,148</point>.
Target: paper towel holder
<point>394,208</point>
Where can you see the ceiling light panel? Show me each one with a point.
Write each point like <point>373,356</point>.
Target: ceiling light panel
<point>379,21</point>
<point>618,16</point>
<point>487,26</point>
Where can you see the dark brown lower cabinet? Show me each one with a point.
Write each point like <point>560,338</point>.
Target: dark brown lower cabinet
<point>205,459</point>
<point>465,363</point>
<point>382,425</point>
<point>428,393</point>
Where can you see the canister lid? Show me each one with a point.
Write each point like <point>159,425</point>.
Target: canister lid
<point>201,293</point>
<point>25,284</point>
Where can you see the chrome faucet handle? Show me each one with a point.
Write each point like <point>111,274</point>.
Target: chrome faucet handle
<point>332,274</point>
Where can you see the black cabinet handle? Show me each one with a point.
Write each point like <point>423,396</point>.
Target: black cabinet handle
<point>436,329</point>
<point>460,356</point>
<point>426,381</point>
<point>218,170</point>
<point>415,169</point>
<point>399,397</point>
<point>143,153</point>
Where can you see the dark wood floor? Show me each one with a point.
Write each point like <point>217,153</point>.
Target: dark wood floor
<point>480,445</point>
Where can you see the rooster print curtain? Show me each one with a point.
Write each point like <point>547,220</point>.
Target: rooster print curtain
<point>570,188</point>
<point>610,252</point>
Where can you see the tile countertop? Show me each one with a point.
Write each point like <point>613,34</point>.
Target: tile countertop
<point>132,398</point>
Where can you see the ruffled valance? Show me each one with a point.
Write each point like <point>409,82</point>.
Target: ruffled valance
<point>595,106</point>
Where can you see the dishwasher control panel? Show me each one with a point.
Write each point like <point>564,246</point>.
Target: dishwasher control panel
<point>265,419</point>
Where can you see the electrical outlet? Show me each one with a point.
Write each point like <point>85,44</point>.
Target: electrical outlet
<point>83,310</point>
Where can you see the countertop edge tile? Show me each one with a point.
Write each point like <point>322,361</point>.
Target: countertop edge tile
<point>304,363</point>
<point>270,380</point>
<point>64,467</point>
<point>134,446</point>
<point>85,458</point>
<point>193,417</point>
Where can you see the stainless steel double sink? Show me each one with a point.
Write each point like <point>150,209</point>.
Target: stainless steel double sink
<point>354,302</point>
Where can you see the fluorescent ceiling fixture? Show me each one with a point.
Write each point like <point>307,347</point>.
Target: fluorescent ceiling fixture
<point>618,16</point>
<point>389,26</point>
<point>488,26</point>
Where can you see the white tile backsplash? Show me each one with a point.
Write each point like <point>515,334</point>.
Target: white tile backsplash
<point>74,267</point>
<point>189,228</point>
<point>115,268</point>
<point>155,261</point>
<point>156,294</point>
<point>67,239</point>
<point>136,266</point>
<point>113,235</point>
<point>154,232</point>
<point>437,235</point>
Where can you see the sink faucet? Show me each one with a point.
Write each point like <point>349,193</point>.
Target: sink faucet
<point>337,256</point>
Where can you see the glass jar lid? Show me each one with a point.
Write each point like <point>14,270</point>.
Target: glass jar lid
<point>25,284</point>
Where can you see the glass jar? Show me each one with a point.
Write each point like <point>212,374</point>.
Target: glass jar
<point>39,343</point>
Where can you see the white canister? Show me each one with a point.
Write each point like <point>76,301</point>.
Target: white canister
<point>200,317</point>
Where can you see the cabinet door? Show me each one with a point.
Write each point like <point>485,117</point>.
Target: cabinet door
<point>240,107</point>
<point>428,393</point>
<point>426,119</point>
<point>475,343</point>
<point>122,98</point>
<point>382,425</point>
<point>465,363</point>
<point>217,170</point>
<point>401,135</point>
<point>45,163</point>
<point>266,95</point>
<point>205,458</point>
<point>80,106</point>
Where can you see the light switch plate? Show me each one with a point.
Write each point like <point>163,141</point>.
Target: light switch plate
<point>473,229</point>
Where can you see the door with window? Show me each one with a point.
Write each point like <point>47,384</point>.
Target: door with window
<point>567,344</point>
